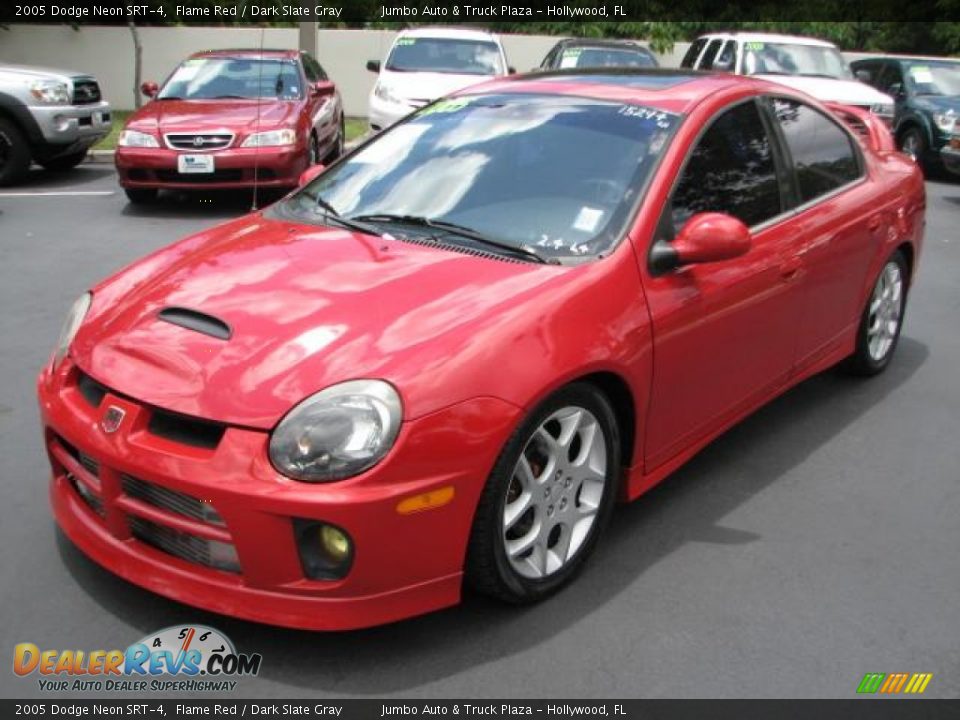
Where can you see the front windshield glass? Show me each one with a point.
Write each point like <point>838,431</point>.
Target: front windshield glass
<point>934,78</point>
<point>766,58</point>
<point>445,55</point>
<point>599,57</point>
<point>223,78</point>
<point>555,174</point>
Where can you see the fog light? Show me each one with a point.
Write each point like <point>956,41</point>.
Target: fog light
<point>326,551</point>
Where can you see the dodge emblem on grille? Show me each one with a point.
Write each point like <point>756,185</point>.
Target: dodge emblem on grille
<point>112,418</point>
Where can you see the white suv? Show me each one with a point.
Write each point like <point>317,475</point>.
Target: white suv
<point>428,63</point>
<point>813,66</point>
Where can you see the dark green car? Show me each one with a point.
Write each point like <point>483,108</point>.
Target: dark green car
<point>927,95</point>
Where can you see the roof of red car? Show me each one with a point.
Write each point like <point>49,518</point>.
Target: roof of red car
<point>672,90</point>
<point>234,52</point>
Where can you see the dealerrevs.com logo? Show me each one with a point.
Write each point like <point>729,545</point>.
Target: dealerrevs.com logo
<point>179,658</point>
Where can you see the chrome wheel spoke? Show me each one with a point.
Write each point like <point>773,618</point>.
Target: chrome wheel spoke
<point>516,509</point>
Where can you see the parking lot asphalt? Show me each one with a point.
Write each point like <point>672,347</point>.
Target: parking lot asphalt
<point>817,541</point>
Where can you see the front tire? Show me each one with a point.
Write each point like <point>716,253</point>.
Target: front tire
<point>548,499</point>
<point>914,144</point>
<point>14,153</point>
<point>882,319</point>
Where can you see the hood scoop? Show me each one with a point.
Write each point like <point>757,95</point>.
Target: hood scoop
<point>196,321</point>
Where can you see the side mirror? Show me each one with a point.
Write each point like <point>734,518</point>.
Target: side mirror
<point>323,88</point>
<point>310,173</point>
<point>511,70</point>
<point>150,89</point>
<point>373,66</point>
<point>705,238</point>
<point>863,75</point>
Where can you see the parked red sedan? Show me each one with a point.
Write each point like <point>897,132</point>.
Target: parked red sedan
<point>227,117</point>
<point>447,356</point>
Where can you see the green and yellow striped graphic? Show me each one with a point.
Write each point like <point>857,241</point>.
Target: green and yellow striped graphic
<point>894,683</point>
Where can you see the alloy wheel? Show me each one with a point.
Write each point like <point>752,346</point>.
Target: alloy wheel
<point>555,492</point>
<point>886,306</point>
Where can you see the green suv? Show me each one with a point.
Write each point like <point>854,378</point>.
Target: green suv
<point>927,95</point>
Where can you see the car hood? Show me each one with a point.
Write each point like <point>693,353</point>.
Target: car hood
<point>308,307</point>
<point>426,85</point>
<point>166,116</point>
<point>848,92</point>
<point>35,71</point>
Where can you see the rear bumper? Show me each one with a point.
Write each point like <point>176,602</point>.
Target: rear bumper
<point>233,168</point>
<point>404,564</point>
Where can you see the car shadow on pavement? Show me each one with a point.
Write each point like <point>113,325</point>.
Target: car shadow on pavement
<point>40,180</point>
<point>687,507</point>
<point>218,204</point>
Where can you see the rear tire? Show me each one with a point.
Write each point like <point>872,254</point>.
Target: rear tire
<point>65,162</point>
<point>882,319</point>
<point>914,144</point>
<point>542,511</point>
<point>141,196</point>
<point>14,153</point>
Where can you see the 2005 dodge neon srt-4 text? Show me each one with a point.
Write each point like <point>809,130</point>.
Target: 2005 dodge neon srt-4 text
<point>446,356</point>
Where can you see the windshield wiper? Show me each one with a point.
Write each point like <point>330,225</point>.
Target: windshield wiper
<point>330,213</point>
<point>458,230</point>
<point>231,97</point>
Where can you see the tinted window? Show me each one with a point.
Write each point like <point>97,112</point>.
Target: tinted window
<point>712,49</point>
<point>731,170</point>
<point>600,57</point>
<point>719,59</point>
<point>312,69</point>
<point>558,174</point>
<point>692,52</point>
<point>823,154</point>
<point>891,80</point>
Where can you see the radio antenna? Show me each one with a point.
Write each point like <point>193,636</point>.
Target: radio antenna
<point>256,150</point>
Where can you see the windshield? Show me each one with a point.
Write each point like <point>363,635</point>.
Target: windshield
<point>224,78</point>
<point>443,55</point>
<point>934,78</point>
<point>766,58</point>
<point>597,57</point>
<point>555,174</point>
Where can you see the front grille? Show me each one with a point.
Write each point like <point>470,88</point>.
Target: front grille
<point>86,92</point>
<point>92,500</point>
<point>171,500</point>
<point>229,175</point>
<point>210,553</point>
<point>199,142</point>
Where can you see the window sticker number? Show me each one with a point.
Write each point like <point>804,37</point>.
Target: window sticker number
<point>661,118</point>
<point>753,46</point>
<point>407,41</point>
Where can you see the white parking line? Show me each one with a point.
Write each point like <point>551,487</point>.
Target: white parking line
<point>59,193</point>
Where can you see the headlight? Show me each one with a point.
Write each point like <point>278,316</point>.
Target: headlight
<point>134,138</point>
<point>271,138</point>
<point>883,109</point>
<point>50,92</point>
<point>945,121</point>
<point>338,432</point>
<point>385,93</point>
<point>70,326</point>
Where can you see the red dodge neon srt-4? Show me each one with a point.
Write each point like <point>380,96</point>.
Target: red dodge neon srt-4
<point>444,358</point>
<point>229,118</point>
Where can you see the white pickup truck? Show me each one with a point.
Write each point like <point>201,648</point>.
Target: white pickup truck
<point>47,116</point>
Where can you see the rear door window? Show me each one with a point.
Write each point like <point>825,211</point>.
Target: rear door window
<point>824,154</point>
<point>693,52</point>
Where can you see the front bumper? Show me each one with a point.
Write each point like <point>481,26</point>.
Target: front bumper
<point>77,126</point>
<point>278,167</point>
<point>950,156</point>
<point>404,564</point>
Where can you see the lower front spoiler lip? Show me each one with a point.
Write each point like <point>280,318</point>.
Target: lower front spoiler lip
<point>156,572</point>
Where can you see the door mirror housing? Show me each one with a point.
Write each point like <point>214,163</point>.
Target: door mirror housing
<point>705,238</point>
<point>149,88</point>
<point>310,173</point>
<point>323,88</point>
<point>373,66</point>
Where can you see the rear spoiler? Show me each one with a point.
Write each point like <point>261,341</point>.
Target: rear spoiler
<point>869,129</point>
